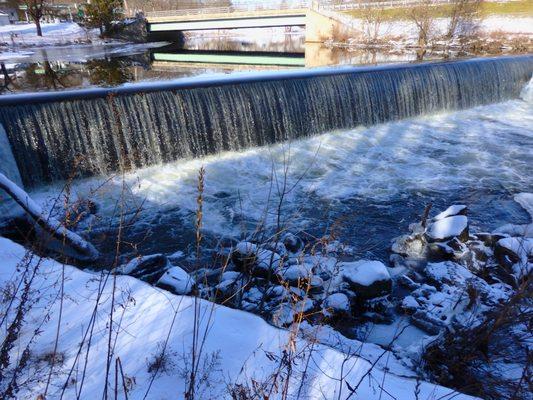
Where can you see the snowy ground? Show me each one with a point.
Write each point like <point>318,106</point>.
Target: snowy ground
<point>245,346</point>
<point>61,33</point>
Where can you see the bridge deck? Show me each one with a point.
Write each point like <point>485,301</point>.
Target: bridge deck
<point>219,14</point>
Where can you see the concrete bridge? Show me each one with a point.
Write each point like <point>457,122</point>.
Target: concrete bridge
<point>318,23</point>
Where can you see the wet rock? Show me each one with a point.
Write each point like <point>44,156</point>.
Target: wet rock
<point>244,256</point>
<point>368,279</point>
<point>336,304</point>
<point>293,243</point>
<point>267,262</point>
<point>439,251</point>
<point>147,268</point>
<point>409,245</point>
<point>458,209</point>
<point>448,228</point>
<point>176,280</point>
<point>515,254</point>
<point>490,239</point>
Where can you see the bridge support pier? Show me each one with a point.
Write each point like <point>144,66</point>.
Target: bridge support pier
<point>319,27</point>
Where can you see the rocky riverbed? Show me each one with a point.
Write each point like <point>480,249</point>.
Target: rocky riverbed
<point>443,277</point>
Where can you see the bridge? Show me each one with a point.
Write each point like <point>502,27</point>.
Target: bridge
<point>317,24</point>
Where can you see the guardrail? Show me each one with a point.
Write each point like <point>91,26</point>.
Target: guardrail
<point>226,10</point>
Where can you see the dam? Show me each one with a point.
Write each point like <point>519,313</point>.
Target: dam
<point>155,123</point>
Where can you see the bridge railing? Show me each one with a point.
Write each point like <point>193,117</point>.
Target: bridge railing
<point>357,5</point>
<point>227,10</point>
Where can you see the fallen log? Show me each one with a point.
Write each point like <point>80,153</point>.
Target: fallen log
<point>83,249</point>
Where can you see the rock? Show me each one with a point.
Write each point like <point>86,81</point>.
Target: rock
<point>490,239</point>
<point>515,254</point>
<point>409,245</point>
<point>267,262</point>
<point>176,280</point>
<point>439,251</point>
<point>409,304</point>
<point>293,243</point>
<point>447,228</point>
<point>368,279</point>
<point>253,295</point>
<point>515,230</point>
<point>336,304</point>
<point>296,275</point>
<point>244,256</point>
<point>451,211</point>
<point>283,315</point>
<point>148,268</point>
<point>448,272</point>
<point>230,276</point>
<point>316,285</point>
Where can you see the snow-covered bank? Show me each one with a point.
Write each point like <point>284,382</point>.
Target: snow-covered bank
<point>247,347</point>
<point>60,33</point>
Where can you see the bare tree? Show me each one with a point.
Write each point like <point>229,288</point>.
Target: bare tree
<point>372,18</point>
<point>423,17</point>
<point>464,19</point>
<point>36,9</point>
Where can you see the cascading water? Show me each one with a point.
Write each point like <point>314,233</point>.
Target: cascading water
<point>153,126</point>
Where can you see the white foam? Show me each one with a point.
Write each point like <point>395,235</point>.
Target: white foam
<point>446,152</point>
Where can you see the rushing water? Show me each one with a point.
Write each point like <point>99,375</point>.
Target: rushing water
<point>142,129</point>
<point>368,183</point>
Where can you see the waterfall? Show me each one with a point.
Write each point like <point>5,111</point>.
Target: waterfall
<point>97,131</point>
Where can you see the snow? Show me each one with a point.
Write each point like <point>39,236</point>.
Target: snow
<point>134,264</point>
<point>337,302</point>
<point>51,225</point>
<point>364,272</point>
<point>448,228</point>
<point>178,280</point>
<point>59,33</point>
<point>246,248</point>
<point>245,344</point>
<point>525,200</point>
<point>450,211</point>
<point>522,247</point>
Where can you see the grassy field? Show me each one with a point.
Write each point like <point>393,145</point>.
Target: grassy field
<point>522,8</point>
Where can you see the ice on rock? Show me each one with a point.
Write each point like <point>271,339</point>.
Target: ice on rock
<point>336,303</point>
<point>177,280</point>
<point>367,278</point>
<point>458,209</point>
<point>526,201</point>
<point>448,228</point>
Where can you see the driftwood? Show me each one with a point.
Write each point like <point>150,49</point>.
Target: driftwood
<point>84,249</point>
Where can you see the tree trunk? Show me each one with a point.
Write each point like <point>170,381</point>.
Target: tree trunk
<point>52,226</point>
<point>38,26</point>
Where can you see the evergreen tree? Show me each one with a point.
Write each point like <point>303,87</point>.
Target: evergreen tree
<point>101,14</point>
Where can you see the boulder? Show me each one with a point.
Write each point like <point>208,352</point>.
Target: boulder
<point>293,243</point>
<point>244,256</point>
<point>176,280</point>
<point>448,228</point>
<point>368,279</point>
<point>336,304</point>
<point>409,245</point>
<point>147,268</point>
<point>515,254</point>
<point>296,275</point>
<point>451,211</point>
